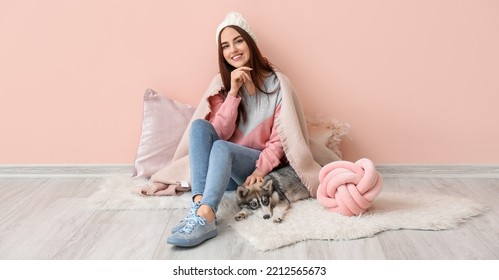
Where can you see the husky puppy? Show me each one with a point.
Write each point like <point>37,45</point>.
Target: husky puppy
<point>273,196</point>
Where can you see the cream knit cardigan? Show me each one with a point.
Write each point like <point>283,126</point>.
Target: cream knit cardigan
<point>306,156</point>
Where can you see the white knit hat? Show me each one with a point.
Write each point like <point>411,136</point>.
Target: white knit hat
<point>236,19</point>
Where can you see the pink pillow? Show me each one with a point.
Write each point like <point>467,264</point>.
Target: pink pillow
<point>164,122</point>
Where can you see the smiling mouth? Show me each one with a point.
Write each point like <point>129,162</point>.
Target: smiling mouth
<point>237,57</point>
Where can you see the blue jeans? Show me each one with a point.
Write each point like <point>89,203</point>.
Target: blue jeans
<point>217,165</point>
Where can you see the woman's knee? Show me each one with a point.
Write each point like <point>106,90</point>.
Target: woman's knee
<point>202,128</point>
<point>199,124</point>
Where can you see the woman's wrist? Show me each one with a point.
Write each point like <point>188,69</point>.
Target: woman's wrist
<point>233,93</point>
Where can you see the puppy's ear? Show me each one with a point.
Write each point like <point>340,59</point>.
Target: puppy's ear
<point>267,186</point>
<point>242,191</point>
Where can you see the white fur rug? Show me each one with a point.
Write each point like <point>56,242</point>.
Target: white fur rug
<point>307,219</point>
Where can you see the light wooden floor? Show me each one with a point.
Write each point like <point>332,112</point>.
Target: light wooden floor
<point>46,219</point>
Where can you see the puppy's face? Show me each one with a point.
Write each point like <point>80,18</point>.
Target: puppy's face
<point>256,196</point>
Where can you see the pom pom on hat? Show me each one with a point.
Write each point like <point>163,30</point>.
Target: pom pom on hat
<point>236,19</point>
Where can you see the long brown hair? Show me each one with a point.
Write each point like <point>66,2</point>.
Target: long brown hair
<point>258,63</point>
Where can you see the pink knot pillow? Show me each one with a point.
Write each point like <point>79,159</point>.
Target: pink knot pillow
<point>349,188</point>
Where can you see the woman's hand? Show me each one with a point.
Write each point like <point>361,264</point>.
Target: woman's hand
<point>238,77</point>
<point>255,177</point>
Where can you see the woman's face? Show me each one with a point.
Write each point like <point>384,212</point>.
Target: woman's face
<point>235,50</point>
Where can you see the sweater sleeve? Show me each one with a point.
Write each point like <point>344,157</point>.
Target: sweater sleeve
<point>224,114</point>
<point>271,156</point>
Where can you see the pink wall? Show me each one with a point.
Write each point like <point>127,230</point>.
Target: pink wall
<point>417,80</point>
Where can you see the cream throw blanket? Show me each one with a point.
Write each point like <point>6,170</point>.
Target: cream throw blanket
<point>306,155</point>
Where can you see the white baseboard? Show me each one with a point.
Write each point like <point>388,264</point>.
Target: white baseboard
<point>105,170</point>
<point>64,170</point>
<point>439,170</point>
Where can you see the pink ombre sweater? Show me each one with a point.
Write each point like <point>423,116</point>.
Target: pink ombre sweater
<point>259,131</point>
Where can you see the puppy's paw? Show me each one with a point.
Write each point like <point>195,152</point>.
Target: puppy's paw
<point>240,217</point>
<point>277,220</point>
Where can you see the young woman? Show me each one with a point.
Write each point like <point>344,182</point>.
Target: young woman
<point>237,143</point>
<point>248,122</point>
